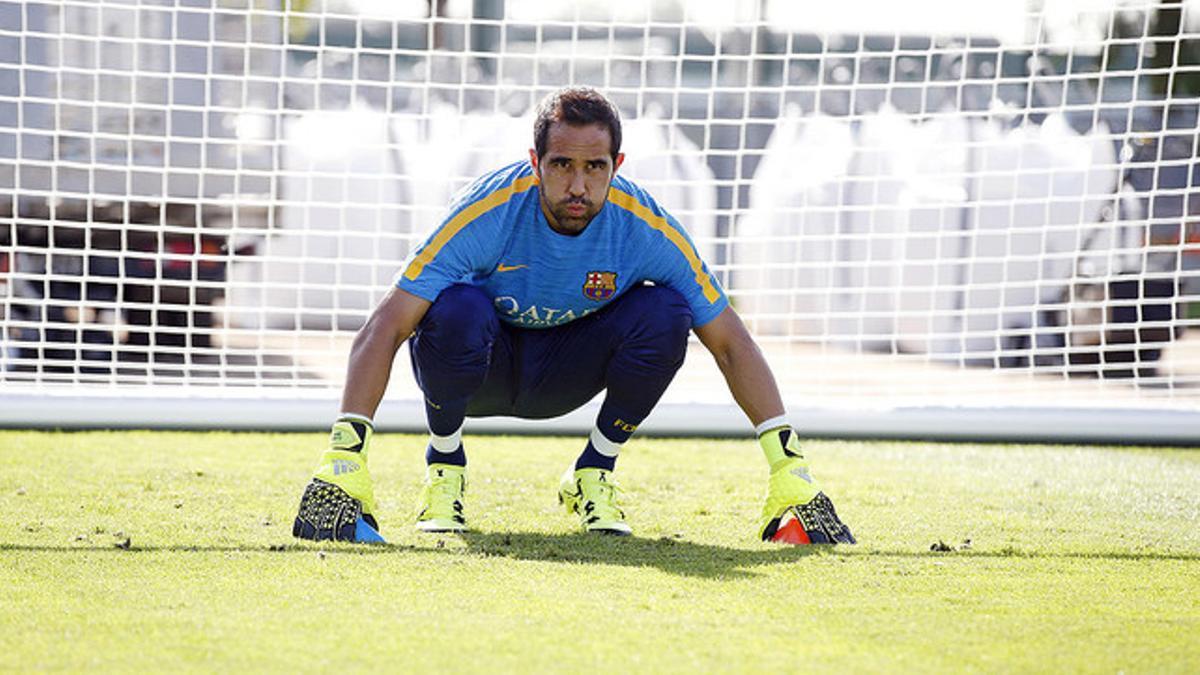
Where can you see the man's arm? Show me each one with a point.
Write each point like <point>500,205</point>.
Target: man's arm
<point>796,510</point>
<point>375,347</point>
<point>745,370</point>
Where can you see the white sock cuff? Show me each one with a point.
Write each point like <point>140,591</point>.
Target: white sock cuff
<point>355,417</point>
<point>773,423</point>
<point>446,444</point>
<point>603,445</point>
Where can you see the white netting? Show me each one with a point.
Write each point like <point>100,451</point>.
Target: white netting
<point>918,203</point>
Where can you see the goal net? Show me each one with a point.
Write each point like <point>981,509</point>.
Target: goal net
<point>939,218</point>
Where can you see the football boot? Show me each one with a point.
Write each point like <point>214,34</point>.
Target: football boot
<point>592,495</point>
<point>441,503</point>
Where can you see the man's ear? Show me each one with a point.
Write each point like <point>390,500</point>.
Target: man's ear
<point>533,158</point>
<point>620,160</point>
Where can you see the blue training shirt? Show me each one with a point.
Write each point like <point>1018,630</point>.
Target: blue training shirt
<point>497,238</point>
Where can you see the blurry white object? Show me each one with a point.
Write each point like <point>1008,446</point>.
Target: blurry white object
<point>931,236</point>
<point>342,227</point>
<point>786,245</point>
<point>672,169</point>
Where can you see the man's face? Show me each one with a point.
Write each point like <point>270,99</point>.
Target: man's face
<point>575,174</point>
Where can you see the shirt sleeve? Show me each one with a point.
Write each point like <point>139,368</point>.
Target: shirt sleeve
<point>459,250</point>
<point>678,265</point>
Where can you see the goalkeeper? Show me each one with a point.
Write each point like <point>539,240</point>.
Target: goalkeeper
<point>549,281</point>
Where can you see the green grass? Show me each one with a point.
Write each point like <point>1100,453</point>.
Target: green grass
<point>1080,559</point>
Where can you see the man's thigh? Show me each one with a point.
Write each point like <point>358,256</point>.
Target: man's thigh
<point>550,372</point>
<point>537,374</point>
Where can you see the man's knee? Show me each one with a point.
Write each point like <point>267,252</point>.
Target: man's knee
<point>658,315</point>
<point>462,315</point>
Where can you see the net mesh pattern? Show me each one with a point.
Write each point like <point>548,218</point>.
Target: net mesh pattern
<point>941,202</point>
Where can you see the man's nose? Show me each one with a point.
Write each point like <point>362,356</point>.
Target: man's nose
<point>577,185</point>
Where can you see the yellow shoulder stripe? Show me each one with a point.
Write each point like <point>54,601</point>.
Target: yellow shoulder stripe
<point>464,217</point>
<point>631,204</point>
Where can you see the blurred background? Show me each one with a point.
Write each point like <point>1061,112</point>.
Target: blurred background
<point>923,205</point>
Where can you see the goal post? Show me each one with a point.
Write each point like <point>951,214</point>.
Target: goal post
<point>939,219</point>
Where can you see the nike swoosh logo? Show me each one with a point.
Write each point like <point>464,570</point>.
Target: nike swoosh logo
<point>508,268</point>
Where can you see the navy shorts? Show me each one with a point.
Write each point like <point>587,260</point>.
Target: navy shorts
<point>635,344</point>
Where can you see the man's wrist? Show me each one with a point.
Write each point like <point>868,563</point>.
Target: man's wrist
<point>776,422</point>
<point>355,417</point>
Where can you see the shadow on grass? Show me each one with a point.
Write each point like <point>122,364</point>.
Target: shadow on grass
<point>669,555</point>
<point>674,556</point>
<point>705,560</point>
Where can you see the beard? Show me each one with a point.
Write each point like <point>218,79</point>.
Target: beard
<point>573,223</point>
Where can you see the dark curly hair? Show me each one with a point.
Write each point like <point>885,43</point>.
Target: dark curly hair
<point>576,106</point>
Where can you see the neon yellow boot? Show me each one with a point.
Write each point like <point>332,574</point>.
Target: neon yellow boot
<point>441,506</point>
<point>592,495</point>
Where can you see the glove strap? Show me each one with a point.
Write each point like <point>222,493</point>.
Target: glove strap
<point>350,433</point>
<point>779,441</point>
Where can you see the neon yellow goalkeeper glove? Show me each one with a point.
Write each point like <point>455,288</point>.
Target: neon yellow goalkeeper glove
<point>796,510</point>
<point>339,502</point>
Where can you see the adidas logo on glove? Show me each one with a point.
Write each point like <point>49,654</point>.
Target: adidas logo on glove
<point>342,466</point>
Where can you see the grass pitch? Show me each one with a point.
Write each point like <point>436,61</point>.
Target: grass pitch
<point>163,551</point>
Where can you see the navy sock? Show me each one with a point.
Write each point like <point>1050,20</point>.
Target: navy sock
<point>446,418</point>
<point>591,458</point>
<point>456,458</point>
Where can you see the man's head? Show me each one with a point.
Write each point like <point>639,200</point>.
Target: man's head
<point>576,152</point>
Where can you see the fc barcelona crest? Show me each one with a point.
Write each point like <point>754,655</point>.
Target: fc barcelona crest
<point>600,286</point>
